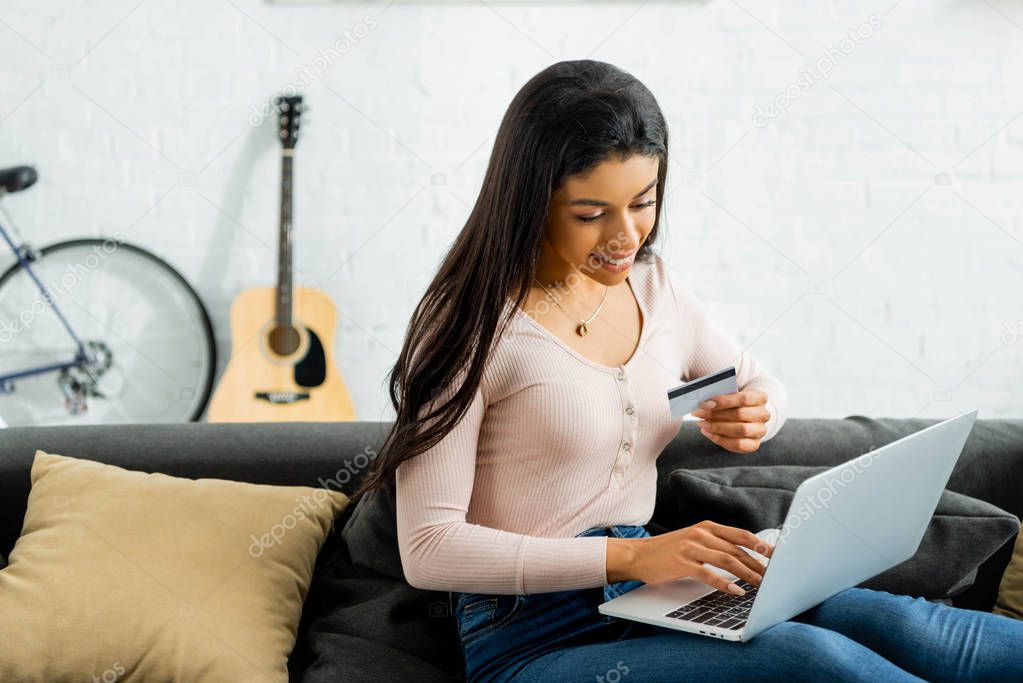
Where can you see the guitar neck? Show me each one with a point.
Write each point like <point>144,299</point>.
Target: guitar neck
<point>284,276</point>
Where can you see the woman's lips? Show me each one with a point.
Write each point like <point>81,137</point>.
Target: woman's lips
<point>621,262</point>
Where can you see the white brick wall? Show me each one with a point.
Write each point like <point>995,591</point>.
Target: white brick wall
<point>115,102</point>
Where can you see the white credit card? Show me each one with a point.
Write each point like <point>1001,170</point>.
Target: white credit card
<point>685,398</point>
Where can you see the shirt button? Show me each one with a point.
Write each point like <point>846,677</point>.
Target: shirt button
<point>629,410</point>
<point>620,375</point>
<point>626,446</point>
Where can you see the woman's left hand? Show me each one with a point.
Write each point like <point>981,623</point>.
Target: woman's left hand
<point>735,421</point>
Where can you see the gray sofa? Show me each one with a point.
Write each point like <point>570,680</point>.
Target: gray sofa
<point>361,620</point>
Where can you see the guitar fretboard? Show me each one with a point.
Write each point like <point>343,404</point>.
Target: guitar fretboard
<point>284,277</point>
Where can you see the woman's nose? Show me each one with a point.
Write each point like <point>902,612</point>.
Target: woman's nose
<point>628,237</point>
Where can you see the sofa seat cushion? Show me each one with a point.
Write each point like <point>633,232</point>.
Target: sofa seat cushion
<point>149,577</point>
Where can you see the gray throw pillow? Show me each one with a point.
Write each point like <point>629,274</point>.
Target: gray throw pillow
<point>963,532</point>
<point>361,615</point>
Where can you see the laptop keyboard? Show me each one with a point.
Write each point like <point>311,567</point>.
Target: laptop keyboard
<point>718,608</point>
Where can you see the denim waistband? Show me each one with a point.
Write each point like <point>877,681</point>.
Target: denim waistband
<point>619,530</point>
<point>613,590</point>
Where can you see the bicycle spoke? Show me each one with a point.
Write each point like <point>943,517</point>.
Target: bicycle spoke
<point>149,320</point>
<point>141,391</point>
<point>66,352</point>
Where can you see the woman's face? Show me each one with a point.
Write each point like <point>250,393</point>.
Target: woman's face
<point>606,214</point>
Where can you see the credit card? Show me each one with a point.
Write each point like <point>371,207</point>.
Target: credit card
<point>685,398</point>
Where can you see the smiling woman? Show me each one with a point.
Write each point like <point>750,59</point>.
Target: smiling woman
<point>531,408</point>
<point>575,179</point>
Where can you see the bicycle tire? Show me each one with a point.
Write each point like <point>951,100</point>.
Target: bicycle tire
<point>186,287</point>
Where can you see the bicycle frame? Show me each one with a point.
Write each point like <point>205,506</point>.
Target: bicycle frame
<point>81,356</point>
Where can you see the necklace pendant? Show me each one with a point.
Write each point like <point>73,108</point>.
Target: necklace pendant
<point>582,330</point>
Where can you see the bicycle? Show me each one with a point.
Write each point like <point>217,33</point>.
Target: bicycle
<point>131,341</point>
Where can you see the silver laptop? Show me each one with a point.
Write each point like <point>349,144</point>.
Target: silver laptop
<point>844,526</point>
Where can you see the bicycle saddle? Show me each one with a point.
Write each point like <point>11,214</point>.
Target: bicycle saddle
<point>17,178</point>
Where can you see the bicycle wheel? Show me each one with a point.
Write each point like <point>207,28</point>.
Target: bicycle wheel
<point>128,306</point>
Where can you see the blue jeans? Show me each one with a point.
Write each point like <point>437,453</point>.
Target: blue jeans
<point>855,635</point>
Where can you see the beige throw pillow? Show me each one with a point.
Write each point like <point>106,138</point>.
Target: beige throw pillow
<point>126,576</point>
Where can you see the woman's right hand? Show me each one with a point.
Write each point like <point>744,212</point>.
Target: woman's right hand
<point>683,552</point>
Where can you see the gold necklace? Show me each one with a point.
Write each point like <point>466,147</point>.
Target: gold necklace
<point>581,329</point>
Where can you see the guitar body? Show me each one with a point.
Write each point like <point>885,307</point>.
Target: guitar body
<point>286,378</point>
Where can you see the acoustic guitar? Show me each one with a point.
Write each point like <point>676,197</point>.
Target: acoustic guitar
<point>282,338</point>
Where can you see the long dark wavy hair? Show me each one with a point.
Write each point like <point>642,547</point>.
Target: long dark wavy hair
<point>564,121</point>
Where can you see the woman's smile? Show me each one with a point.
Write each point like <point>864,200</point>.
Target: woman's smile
<point>614,265</point>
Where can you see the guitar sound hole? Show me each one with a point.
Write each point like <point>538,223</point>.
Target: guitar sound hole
<point>284,341</point>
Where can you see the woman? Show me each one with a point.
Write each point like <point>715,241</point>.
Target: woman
<point>530,401</point>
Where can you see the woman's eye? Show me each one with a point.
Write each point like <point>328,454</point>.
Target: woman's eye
<point>587,219</point>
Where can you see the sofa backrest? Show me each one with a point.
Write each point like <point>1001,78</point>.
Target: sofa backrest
<point>335,455</point>
<point>338,454</point>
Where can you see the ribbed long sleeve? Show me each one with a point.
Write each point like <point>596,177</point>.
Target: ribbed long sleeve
<point>553,444</point>
<point>440,550</point>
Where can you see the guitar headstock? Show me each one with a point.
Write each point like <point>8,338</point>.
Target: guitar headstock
<point>290,110</point>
